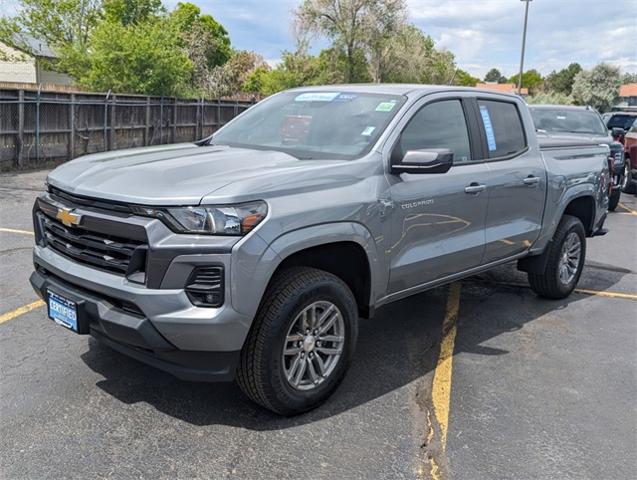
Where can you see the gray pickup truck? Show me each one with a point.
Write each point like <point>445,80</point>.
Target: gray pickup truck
<point>252,254</point>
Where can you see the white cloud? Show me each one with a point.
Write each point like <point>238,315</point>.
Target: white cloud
<point>560,32</point>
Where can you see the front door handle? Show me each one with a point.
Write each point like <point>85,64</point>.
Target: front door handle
<point>475,188</point>
<point>531,180</point>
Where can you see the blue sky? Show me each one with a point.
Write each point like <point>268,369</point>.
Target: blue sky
<point>481,33</point>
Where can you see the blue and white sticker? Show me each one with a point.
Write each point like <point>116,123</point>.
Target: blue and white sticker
<point>317,97</point>
<point>346,97</point>
<point>488,128</point>
<point>368,131</point>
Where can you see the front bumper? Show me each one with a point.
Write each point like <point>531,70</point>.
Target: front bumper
<point>118,324</point>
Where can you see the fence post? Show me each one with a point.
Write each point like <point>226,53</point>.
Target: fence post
<point>113,140</point>
<point>199,119</point>
<point>37,124</point>
<point>20,145</point>
<point>218,122</point>
<point>161,121</point>
<point>72,127</point>
<point>105,135</point>
<point>147,125</point>
<point>173,135</point>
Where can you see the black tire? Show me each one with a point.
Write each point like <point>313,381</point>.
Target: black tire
<point>261,373</point>
<point>613,199</point>
<point>548,283</point>
<point>628,186</point>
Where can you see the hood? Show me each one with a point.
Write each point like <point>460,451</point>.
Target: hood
<point>181,174</point>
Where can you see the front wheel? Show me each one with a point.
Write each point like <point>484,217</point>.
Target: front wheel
<point>627,185</point>
<point>301,342</point>
<point>566,255</point>
<point>613,200</point>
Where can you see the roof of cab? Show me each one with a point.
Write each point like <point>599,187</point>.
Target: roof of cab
<point>394,89</point>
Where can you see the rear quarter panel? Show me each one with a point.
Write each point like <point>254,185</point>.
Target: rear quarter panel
<point>573,172</point>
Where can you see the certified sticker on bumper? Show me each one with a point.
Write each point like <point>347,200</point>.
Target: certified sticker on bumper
<point>62,311</point>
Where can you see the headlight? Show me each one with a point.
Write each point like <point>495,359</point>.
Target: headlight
<point>210,220</point>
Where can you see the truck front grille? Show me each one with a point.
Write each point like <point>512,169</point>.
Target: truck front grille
<point>107,252</point>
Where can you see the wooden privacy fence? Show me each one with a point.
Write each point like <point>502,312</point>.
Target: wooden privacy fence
<point>38,128</point>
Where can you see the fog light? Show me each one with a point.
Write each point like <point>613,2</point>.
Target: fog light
<point>205,287</point>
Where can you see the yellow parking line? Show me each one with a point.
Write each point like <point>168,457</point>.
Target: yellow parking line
<point>628,209</point>
<point>441,389</point>
<point>599,293</point>
<point>13,230</point>
<point>5,317</point>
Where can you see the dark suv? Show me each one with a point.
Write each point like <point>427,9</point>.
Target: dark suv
<point>573,123</point>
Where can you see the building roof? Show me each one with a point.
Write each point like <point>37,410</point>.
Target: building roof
<point>628,90</point>
<point>33,46</point>
<point>502,87</point>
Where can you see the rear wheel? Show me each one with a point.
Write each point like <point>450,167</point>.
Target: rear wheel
<point>301,342</point>
<point>566,255</point>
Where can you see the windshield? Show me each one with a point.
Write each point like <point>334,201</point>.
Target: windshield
<point>568,121</point>
<point>313,125</point>
<point>621,121</point>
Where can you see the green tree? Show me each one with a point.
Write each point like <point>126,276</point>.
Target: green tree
<point>598,87</point>
<point>629,78</point>
<point>61,23</point>
<point>465,79</point>
<point>138,58</point>
<point>128,12</point>
<point>410,56</point>
<point>551,98</point>
<point>494,75</point>
<point>531,79</point>
<point>202,34</point>
<point>352,25</point>
<point>562,81</point>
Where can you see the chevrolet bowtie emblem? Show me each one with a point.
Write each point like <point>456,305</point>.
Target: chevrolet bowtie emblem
<point>67,217</point>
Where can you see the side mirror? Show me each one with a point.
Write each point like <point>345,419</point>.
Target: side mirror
<point>435,160</point>
<point>618,132</point>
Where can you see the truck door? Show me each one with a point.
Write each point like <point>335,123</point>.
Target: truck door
<point>438,224</point>
<point>517,179</point>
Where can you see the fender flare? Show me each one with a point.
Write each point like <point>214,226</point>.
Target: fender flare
<point>295,241</point>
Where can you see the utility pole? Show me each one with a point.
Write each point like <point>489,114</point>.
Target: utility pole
<point>526,20</point>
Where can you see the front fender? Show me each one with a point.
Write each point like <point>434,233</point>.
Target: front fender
<point>296,241</point>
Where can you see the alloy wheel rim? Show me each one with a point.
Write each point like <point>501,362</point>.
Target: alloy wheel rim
<point>569,258</point>
<point>313,345</point>
<point>626,177</point>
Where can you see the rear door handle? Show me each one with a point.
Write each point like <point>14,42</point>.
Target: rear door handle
<point>475,188</point>
<point>531,180</point>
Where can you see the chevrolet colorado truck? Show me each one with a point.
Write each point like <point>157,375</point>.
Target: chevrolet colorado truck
<point>252,254</point>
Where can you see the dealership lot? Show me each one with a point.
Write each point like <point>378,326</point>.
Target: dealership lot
<point>511,387</point>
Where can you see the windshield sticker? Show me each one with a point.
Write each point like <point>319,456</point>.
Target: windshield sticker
<point>386,106</point>
<point>317,97</point>
<point>488,128</point>
<point>346,97</point>
<point>368,131</point>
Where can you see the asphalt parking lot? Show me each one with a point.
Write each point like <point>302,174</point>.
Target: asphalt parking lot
<point>478,380</point>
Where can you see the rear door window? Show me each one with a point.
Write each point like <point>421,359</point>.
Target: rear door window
<point>502,127</point>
